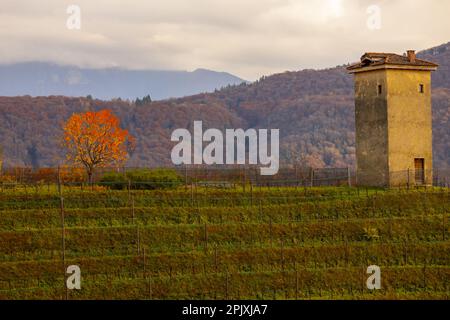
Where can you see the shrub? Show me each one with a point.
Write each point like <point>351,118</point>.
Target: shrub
<point>43,175</point>
<point>73,174</point>
<point>4,178</point>
<point>142,179</point>
<point>114,180</point>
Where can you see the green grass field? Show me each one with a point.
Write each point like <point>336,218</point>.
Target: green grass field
<point>259,243</point>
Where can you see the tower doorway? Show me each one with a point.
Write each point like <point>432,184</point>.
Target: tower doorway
<point>419,171</point>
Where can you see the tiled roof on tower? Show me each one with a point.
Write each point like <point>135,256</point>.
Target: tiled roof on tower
<point>378,59</point>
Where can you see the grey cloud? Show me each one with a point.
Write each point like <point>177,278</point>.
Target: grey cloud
<point>249,38</point>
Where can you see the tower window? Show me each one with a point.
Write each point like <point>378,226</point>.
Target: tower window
<point>421,88</point>
<point>380,89</point>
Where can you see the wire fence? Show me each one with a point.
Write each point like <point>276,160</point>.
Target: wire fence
<point>222,177</point>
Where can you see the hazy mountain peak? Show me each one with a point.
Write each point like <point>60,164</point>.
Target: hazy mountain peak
<point>44,79</point>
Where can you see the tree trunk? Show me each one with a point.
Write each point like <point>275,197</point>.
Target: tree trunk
<point>90,176</point>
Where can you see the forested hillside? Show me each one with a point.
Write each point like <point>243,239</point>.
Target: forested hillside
<point>314,110</point>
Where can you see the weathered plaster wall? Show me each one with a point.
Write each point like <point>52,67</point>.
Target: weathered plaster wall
<point>371,128</point>
<point>409,122</point>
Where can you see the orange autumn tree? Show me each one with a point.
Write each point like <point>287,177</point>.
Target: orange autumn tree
<point>95,139</point>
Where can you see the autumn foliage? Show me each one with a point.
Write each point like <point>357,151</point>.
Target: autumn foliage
<point>314,110</point>
<point>95,139</point>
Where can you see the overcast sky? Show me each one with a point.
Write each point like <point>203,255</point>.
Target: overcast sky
<point>248,38</point>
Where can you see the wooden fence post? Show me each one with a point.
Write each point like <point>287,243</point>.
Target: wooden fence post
<point>408,179</point>
<point>185,176</point>
<point>251,194</point>
<point>244,178</point>
<point>437,178</point>
<point>349,177</point>
<point>206,237</point>
<point>129,189</point>
<point>63,243</point>
<point>59,181</point>
<point>192,193</point>
<point>132,210</point>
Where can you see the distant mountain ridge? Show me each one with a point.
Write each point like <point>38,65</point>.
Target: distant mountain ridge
<point>45,79</point>
<point>314,110</point>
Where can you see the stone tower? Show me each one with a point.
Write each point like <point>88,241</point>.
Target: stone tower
<point>393,119</point>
